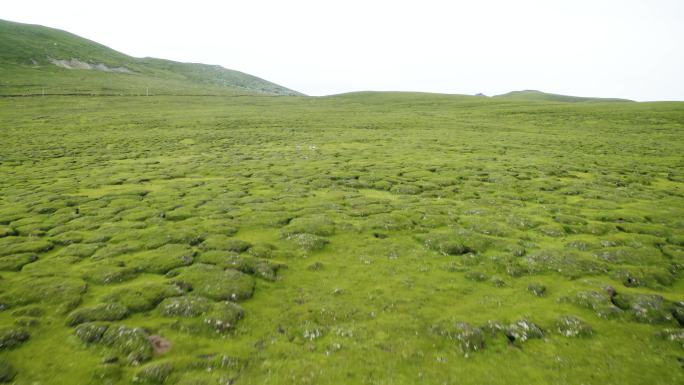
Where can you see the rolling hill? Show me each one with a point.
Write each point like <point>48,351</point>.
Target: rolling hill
<point>36,60</point>
<point>534,95</point>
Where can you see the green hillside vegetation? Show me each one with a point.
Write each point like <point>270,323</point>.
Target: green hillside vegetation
<point>364,238</point>
<point>532,95</point>
<point>28,54</point>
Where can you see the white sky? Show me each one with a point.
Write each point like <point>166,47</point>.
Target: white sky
<point>612,48</point>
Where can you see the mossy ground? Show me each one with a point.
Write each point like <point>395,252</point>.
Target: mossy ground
<point>367,239</point>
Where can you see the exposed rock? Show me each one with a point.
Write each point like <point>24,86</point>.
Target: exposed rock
<point>160,344</point>
<point>599,302</point>
<point>76,64</point>
<point>469,338</point>
<point>523,330</point>
<point>645,308</point>
<point>493,327</point>
<point>674,335</point>
<point>572,326</point>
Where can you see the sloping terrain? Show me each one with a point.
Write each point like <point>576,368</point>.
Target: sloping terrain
<point>532,95</point>
<point>370,238</point>
<point>36,60</point>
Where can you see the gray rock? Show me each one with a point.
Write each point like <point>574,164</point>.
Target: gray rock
<point>599,302</point>
<point>572,326</point>
<point>493,327</point>
<point>645,308</point>
<point>674,335</point>
<point>469,338</point>
<point>523,330</point>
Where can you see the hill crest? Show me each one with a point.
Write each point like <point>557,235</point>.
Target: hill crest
<point>35,58</point>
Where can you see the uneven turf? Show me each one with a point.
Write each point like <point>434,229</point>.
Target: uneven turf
<point>370,238</point>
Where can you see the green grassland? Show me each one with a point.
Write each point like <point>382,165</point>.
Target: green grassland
<point>367,238</point>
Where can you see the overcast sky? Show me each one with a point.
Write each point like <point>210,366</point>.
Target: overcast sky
<point>612,48</point>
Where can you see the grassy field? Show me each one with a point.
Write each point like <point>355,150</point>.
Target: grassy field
<point>369,238</point>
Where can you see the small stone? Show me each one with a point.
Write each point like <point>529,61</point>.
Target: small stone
<point>674,335</point>
<point>493,327</point>
<point>159,344</point>
<point>470,338</point>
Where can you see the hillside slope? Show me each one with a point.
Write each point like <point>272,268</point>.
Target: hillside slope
<point>533,95</point>
<point>36,59</point>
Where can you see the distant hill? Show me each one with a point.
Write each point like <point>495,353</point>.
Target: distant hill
<point>36,59</point>
<point>533,95</point>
